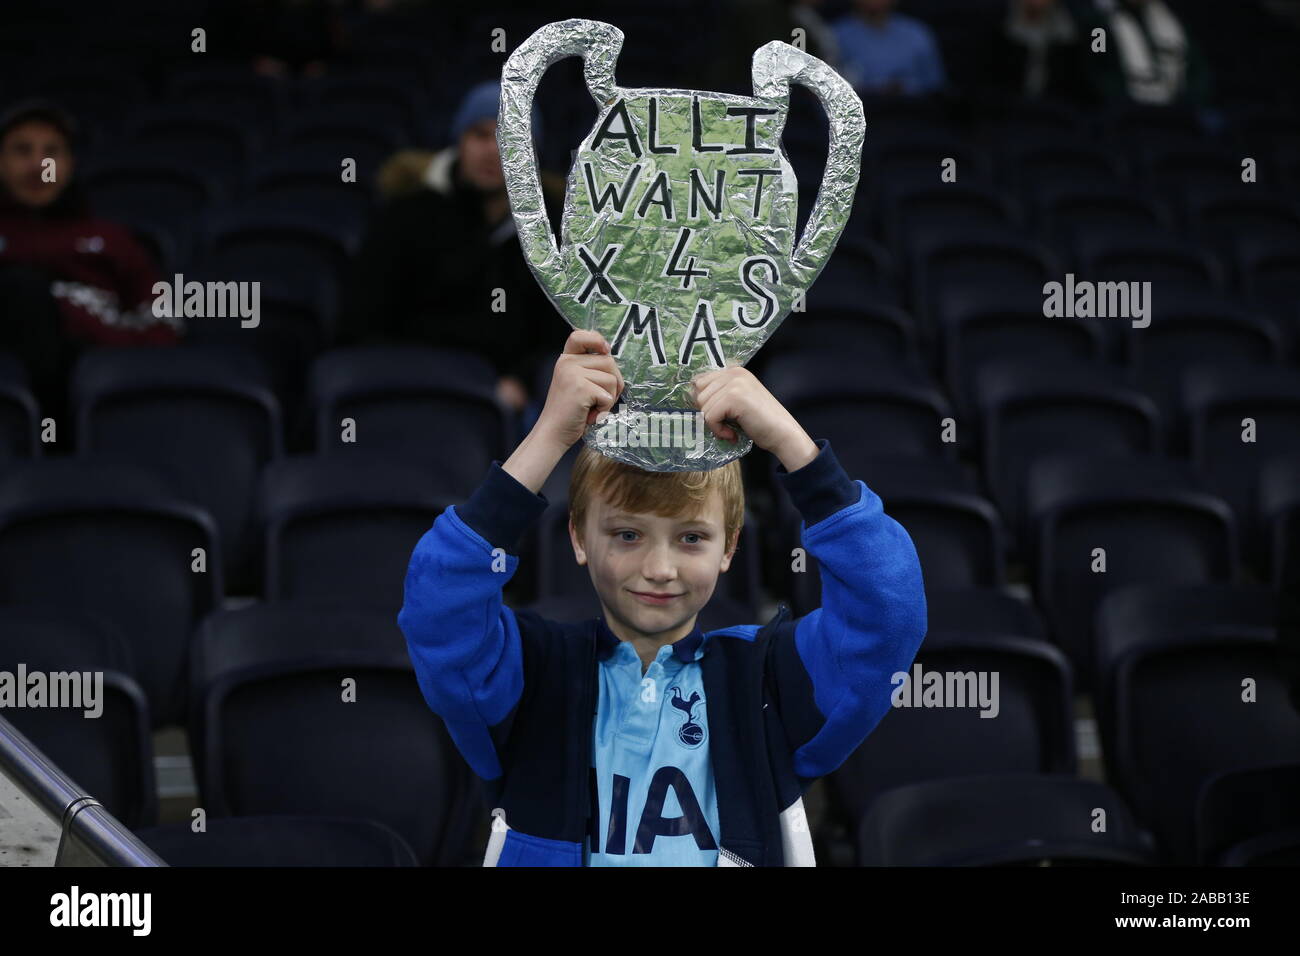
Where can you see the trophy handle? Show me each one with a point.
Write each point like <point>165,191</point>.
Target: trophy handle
<point>598,44</point>
<point>777,65</point>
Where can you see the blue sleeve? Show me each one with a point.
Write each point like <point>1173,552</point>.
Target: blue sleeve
<point>464,642</point>
<point>832,670</point>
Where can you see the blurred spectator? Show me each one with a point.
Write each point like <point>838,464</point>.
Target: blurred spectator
<point>1037,52</point>
<point>1150,58</point>
<point>439,248</point>
<point>67,279</point>
<point>745,25</point>
<point>886,52</point>
<point>277,37</point>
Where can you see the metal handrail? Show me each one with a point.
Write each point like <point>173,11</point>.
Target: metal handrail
<point>89,834</point>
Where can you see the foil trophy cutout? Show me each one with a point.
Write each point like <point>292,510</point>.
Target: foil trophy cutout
<point>678,227</point>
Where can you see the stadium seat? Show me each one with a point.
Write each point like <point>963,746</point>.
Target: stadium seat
<point>1250,817</point>
<point>1029,410</point>
<point>1008,819</point>
<point>980,334</point>
<point>280,841</point>
<point>1032,730</point>
<point>957,532</point>
<point>207,420</point>
<point>1165,262</point>
<point>1129,617</point>
<point>1182,717</point>
<point>1222,220</point>
<point>217,147</point>
<point>343,528</point>
<point>344,134</point>
<point>1024,120</point>
<point>1270,278</point>
<point>1279,511</point>
<point>1185,334</point>
<point>412,404</point>
<point>152,194</point>
<point>873,333</point>
<point>1069,212</point>
<point>270,688</point>
<point>1182,169</point>
<point>894,411</point>
<point>860,274</point>
<point>19,416</point>
<point>302,182</point>
<point>1218,402</point>
<point>955,269</point>
<point>255,101</point>
<point>918,213</point>
<point>294,324</point>
<point>298,249</point>
<point>982,611</point>
<point>1031,167</point>
<point>1152,521</point>
<point>116,541</point>
<point>110,755</point>
<point>377,94</point>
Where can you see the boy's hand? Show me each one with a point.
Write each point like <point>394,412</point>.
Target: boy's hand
<point>735,394</point>
<point>585,383</point>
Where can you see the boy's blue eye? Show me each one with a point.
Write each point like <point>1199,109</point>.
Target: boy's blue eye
<point>690,534</point>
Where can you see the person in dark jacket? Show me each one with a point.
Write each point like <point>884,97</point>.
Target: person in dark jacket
<point>1038,52</point>
<point>68,280</point>
<point>441,263</point>
<point>1151,57</point>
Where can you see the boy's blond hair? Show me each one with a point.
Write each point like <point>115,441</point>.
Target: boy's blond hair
<point>669,494</point>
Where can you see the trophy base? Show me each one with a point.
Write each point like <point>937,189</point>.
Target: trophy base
<point>661,438</point>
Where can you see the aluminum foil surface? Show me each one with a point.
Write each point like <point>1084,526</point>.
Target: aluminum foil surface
<point>678,227</point>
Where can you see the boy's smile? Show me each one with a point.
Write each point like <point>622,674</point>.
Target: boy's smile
<point>652,573</point>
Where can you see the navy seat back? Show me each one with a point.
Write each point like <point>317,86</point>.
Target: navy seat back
<point>278,737</point>
<point>1181,720</point>
<point>19,414</point>
<point>342,528</point>
<point>1238,809</point>
<point>109,755</point>
<point>1001,820</point>
<point>1155,521</point>
<point>207,420</point>
<point>1032,730</point>
<point>414,405</point>
<point>117,542</point>
<point>280,841</point>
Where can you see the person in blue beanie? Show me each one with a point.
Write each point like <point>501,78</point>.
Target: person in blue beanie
<point>440,260</point>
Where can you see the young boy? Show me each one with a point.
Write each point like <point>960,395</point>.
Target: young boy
<point>635,739</point>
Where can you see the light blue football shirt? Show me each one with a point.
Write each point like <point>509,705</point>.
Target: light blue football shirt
<point>656,802</point>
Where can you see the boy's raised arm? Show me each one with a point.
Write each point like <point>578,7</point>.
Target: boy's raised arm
<point>833,675</point>
<point>464,642</point>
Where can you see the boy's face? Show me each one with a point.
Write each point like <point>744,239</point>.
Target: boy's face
<point>633,557</point>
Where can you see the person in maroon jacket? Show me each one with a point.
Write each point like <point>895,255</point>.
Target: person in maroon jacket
<point>67,279</point>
